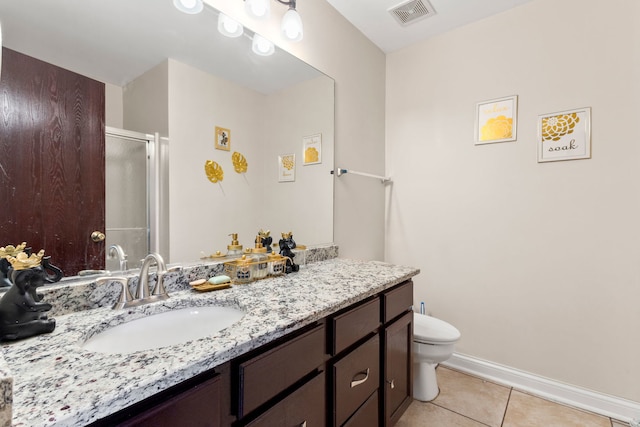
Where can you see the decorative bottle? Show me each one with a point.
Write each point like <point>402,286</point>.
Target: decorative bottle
<point>235,248</point>
<point>259,260</point>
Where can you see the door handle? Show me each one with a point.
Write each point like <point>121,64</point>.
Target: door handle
<point>355,382</point>
<point>97,236</point>
<point>392,384</point>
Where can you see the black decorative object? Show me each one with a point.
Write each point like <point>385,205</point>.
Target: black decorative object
<point>22,314</point>
<point>267,240</point>
<point>286,244</point>
<point>53,273</point>
<point>4,273</point>
<point>5,252</point>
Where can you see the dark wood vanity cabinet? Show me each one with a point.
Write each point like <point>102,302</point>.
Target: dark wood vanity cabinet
<point>351,369</point>
<point>372,360</point>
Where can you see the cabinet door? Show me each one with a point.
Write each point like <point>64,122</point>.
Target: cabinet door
<point>398,358</point>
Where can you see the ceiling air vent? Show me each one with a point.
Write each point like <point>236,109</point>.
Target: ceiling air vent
<point>412,11</point>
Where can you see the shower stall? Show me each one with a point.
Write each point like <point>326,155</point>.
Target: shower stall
<point>131,196</point>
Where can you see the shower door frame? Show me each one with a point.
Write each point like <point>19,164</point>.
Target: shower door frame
<point>153,234</point>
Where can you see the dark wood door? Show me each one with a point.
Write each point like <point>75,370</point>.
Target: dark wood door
<point>51,161</point>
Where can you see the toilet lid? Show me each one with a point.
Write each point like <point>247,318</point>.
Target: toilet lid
<point>428,329</point>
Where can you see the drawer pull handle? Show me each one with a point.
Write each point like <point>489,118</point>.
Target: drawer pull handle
<point>392,384</point>
<point>304,424</point>
<point>355,382</point>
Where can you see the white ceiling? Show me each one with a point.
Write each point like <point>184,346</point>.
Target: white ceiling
<point>372,18</point>
<point>115,41</point>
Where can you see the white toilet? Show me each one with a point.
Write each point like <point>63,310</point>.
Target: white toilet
<point>433,341</point>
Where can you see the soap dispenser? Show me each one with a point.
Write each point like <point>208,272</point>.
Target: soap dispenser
<point>259,260</point>
<point>235,248</point>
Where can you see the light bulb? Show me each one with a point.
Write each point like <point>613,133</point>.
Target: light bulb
<point>258,8</point>
<point>292,25</point>
<point>228,27</point>
<point>262,46</point>
<point>189,6</point>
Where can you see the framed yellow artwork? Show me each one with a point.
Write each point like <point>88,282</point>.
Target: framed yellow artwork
<point>312,149</point>
<point>496,120</point>
<point>565,135</point>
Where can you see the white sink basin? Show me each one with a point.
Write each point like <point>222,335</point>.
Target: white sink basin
<point>163,329</point>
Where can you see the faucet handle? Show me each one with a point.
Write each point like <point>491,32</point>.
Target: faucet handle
<point>125,295</point>
<point>159,289</point>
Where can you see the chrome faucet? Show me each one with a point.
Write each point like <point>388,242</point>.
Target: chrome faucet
<point>143,294</point>
<point>159,292</point>
<point>117,251</point>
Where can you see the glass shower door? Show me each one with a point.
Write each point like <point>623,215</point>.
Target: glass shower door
<point>127,195</point>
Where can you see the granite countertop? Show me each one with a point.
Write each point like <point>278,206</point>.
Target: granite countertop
<point>58,383</point>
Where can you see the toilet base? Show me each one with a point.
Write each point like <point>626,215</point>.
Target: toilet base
<point>425,382</point>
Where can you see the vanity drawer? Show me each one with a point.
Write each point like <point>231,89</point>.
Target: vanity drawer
<point>367,415</point>
<point>397,301</point>
<point>354,324</point>
<point>264,376</point>
<point>355,377</point>
<point>305,406</point>
<point>199,405</point>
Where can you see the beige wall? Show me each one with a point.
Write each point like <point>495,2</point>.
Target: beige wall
<point>304,206</point>
<point>114,107</point>
<point>335,47</point>
<point>145,110</point>
<point>202,213</point>
<point>536,264</point>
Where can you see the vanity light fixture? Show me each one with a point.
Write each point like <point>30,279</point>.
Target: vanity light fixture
<point>262,46</point>
<point>189,6</point>
<point>291,22</point>
<point>229,27</point>
<point>259,9</point>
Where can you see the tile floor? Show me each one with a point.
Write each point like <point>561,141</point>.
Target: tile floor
<point>467,401</point>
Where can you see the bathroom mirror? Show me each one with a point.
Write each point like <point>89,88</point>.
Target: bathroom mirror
<point>211,81</point>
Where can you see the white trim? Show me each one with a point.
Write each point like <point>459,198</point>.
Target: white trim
<point>599,403</point>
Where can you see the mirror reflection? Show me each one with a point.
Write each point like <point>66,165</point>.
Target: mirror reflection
<point>174,75</point>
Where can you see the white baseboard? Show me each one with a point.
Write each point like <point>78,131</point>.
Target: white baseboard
<point>603,404</point>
